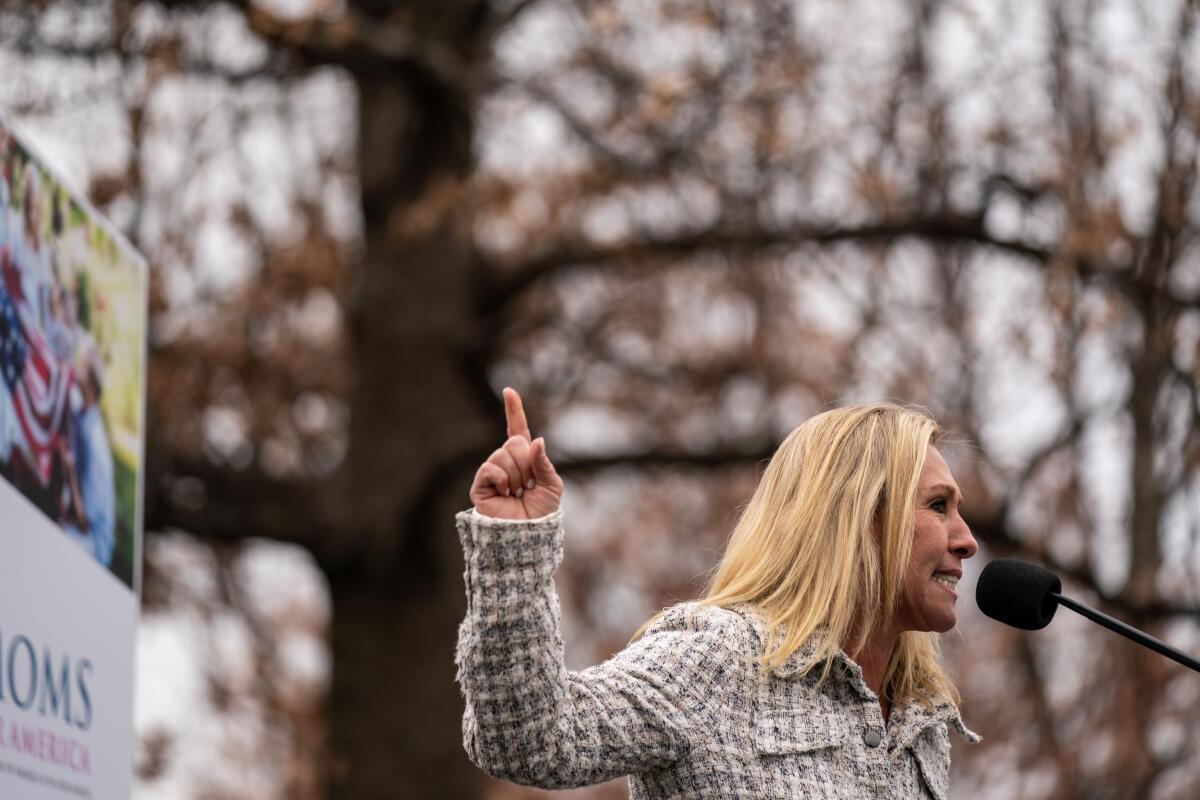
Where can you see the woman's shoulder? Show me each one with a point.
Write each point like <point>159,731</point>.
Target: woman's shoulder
<point>735,626</point>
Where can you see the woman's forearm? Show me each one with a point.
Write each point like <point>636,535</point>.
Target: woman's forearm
<point>527,718</point>
<point>510,664</point>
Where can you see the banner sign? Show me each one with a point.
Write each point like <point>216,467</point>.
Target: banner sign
<point>72,378</point>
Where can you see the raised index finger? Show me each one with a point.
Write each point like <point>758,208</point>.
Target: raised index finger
<point>514,412</point>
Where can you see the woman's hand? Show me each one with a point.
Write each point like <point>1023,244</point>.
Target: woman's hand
<point>517,481</point>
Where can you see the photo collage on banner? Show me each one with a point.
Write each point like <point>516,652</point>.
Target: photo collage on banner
<point>71,355</point>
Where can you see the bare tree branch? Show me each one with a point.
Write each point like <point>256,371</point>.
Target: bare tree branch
<point>942,229</point>
<point>223,504</point>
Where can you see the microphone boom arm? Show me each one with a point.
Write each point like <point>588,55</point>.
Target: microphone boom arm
<point>1128,631</point>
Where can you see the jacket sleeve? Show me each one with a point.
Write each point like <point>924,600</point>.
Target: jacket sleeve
<point>531,721</point>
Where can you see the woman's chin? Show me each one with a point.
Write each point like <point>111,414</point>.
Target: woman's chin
<point>938,617</point>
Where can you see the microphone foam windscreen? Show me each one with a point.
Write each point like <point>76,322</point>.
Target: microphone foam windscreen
<point>1018,593</point>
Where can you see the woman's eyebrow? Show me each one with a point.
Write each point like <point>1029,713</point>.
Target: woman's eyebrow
<point>944,488</point>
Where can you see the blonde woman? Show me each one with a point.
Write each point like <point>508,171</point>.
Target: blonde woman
<point>810,668</point>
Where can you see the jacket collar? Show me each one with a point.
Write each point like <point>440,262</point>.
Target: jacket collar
<point>907,721</point>
<point>912,718</point>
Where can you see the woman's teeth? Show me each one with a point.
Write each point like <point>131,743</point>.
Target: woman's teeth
<point>949,580</point>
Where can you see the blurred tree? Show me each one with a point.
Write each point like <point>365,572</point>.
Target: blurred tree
<point>679,228</point>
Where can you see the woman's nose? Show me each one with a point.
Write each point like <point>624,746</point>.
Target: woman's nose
<point>962,542</point>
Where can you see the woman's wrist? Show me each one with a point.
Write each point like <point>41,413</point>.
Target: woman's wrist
<point>508,521</point>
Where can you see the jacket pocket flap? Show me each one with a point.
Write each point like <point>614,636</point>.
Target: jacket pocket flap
<point>777,732</point>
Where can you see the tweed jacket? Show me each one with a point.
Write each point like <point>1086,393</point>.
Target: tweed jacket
<point>681,711</point>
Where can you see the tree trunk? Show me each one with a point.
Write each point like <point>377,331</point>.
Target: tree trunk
<point>417,422</point>
<point>395,708</point>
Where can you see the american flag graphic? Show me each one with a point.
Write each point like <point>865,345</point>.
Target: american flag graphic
<point>38,383</point>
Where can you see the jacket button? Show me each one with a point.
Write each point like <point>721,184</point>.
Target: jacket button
<point>872,738</point>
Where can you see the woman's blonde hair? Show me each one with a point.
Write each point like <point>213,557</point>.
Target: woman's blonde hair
<point>822,547</point>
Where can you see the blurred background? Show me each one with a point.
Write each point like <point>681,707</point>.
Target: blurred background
<point>679,228</point>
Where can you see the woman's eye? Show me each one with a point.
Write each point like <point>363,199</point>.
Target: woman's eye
<point>938,505</point>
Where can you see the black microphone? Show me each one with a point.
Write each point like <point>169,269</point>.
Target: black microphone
<point>1026,596</point>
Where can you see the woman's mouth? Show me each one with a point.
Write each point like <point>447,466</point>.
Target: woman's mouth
<point>948,580</point>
